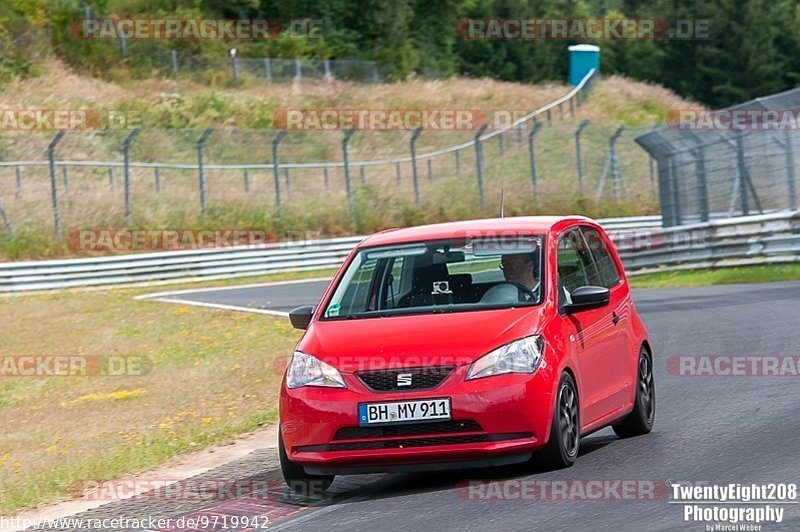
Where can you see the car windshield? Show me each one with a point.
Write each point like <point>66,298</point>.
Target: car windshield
<point>440,276</point>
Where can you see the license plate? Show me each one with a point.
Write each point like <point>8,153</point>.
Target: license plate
<point>403,411</point>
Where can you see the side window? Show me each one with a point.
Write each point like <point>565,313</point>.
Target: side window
<point>575,265</point>
<point>609,275</point>
<point>392,283</point>
<point>357,297</point>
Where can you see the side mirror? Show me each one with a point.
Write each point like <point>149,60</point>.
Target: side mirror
<point>587,298</point>
<point>301,316</point>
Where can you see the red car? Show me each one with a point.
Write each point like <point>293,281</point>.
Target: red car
<point>465,344</point>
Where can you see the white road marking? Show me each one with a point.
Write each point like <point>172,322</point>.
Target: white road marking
<point>227,288</point>
<point>221,306</point>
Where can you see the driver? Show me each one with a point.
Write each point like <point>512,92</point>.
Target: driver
<point>519,268</point>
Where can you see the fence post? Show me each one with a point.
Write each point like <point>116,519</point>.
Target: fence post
<point>327,67</point>
<point>19,180</point>
<point>652,160</point>
<point>287,179</point>
<point>235,65</point>
<point>549,118</point>
<point>65,176</point>
<point>126,145</point>
<point>158,179</point>
<point>201,169</point>
<point>298,72</point>
<point>583,125</point>
<point>111,180</point>
<point>561,111</point>
<point>345,141</point>
<point>572,107</point>
<point>616,173</point>
<point>398,176</point>
<point>430,168</point>
<point>53,190</point>
<point>325,175</point>
<point>276,168</point>
<point>479,164</point>
<point>414,136</point>
<point>6,219</point>
<point>267,70</point>
<point>363,175</point>
<point>740,161</point>
<point>246,178</point>
<point>123,44</point>
<point>501,144</point>
<point>458,162</point>
<point>612,165</point>
<point>790,175</point>
<point>702,183</point>
<point>174,54</point>
<point>532,154</point>
<point>674,192</point>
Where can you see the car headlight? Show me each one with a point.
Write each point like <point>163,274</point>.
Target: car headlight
<point>306,370</point>
<point>520,356</point>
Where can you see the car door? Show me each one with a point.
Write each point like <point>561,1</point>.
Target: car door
<point>616,356</point>
<point>590,332</point>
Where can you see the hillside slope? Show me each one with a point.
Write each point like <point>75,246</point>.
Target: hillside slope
<point>174,113</point>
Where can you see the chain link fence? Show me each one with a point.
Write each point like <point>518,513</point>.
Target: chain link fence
<point>221,61</point>
<point>706,174</point>
<point>546,161</point>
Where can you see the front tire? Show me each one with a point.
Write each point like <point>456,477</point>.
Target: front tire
<point>565,432</point>
<point>640,421</point>
<point>296,477</point>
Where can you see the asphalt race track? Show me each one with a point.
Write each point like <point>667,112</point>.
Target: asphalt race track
<point>717,430</point>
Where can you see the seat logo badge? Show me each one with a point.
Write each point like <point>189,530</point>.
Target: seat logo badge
<point>404,379</point>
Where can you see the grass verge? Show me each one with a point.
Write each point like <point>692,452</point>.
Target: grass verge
<point>214,374</point>
<point>706,277</point>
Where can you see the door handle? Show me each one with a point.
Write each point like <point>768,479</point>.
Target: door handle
<point>614,318</point>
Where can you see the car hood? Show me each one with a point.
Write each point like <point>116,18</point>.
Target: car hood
<point>456,338</point>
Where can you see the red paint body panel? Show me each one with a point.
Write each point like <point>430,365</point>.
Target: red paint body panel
<point>601,356</point>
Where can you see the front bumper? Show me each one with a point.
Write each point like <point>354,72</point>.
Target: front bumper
<point>504,418</point>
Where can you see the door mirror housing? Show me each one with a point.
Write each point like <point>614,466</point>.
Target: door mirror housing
<point>587,298</point>
<point>301,316</point>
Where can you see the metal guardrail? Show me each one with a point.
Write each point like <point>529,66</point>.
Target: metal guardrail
<point>644,247</point>
<point>204,263</point>
<point>746,240</point>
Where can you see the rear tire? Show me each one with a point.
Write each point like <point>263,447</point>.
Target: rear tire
<point>640,421</point>
<point>565,432</point>
<point>296,477</point>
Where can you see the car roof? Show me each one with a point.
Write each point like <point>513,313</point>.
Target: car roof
<point>497,226</point>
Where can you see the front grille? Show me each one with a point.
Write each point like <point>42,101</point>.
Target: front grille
<point>412,442</point>
<point>416,429</point>
<point>385,380</point>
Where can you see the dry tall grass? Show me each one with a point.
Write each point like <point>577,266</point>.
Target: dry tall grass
<point>448,192</point>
